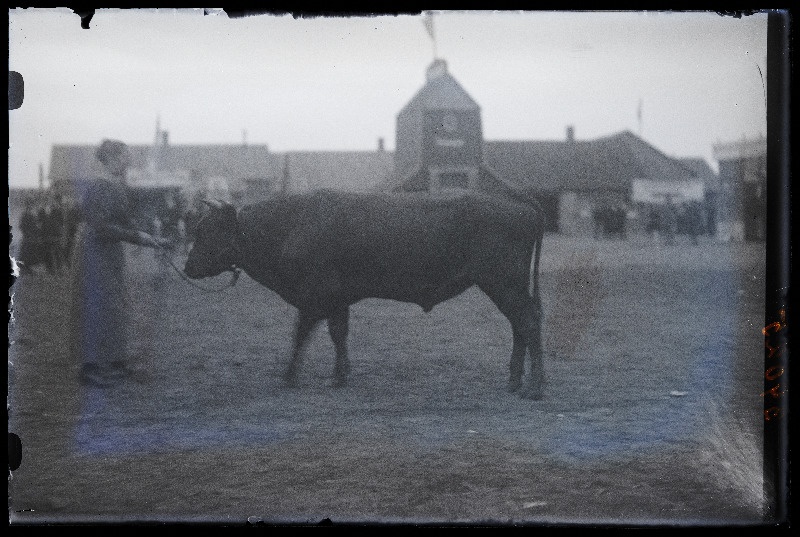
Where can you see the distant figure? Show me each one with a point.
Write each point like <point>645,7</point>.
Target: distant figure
<point>45,246</point>
<point>599,220</point>
<point>669,221</point>
<point>615,220</point>
<point>157,230</point>
<point>182,243</point>
<point>169,217</point>
<point>190,219</point>
<point>653,220</point>
<point>30,248</point>
<point>100,294</point>
<point>695,220</point>
<point>72,218</point>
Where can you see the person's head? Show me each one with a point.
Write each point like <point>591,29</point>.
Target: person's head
<point>114,155</point>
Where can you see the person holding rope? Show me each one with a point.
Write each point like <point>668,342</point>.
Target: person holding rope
<point>100,297</point>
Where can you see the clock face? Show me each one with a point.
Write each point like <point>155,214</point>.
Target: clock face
<point>450,123</point>
<point>447,134</point>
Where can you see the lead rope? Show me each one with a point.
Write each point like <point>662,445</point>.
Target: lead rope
<point>235,272</point>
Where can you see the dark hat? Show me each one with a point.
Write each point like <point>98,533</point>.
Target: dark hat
<point>109,149</point>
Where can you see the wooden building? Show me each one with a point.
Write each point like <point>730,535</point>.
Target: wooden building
<point>742,189</point>
<point>574,178</point>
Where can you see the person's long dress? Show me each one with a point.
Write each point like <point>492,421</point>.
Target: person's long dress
<point>100,301</point>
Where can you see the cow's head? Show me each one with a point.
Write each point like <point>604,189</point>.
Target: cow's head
<point>214,250</point>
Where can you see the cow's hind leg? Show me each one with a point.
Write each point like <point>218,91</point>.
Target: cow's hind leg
<point>304,326</point>
<point>338,327</point>
<point>524,314</point>
<point>535,387</point>
<point>517,365</point>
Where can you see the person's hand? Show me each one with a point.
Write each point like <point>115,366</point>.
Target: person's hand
<point>164,242</point>
<point>152,242</point>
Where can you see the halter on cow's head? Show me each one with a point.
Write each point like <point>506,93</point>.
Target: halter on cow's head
<point>214,250</point>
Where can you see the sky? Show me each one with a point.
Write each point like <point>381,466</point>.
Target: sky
<point>682,81</point>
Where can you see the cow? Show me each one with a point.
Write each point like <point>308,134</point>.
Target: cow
<point>325,250</point>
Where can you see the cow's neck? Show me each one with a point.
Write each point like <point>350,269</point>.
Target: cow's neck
<point>249,256</point>
<point>237,247</point>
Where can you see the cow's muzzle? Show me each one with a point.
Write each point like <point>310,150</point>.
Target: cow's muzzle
<point>194,272</point>
<point>191,271</point>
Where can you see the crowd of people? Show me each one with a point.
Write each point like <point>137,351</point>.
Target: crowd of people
<point>610,221</point>
<point>47,229</point>
<point>670,219</point>
<point>663,221</point>
<point>48,226</point>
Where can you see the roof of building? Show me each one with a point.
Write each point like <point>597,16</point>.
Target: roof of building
<point>740,149</point>
<point>610,163</point>
<point>440,92</point>
<point>238,161</point>
<point>703,171</point>
<point>241,161</point>
<point>607,163</point>
<point>344,170</point>
<point>355,171</point>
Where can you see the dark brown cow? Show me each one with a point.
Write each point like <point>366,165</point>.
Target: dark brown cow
<point>324,251</point>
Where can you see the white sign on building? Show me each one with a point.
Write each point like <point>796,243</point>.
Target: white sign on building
<point>657,192</point>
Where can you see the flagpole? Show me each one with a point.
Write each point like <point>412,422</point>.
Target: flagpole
<point>639,117</point>
<point>428,22</point>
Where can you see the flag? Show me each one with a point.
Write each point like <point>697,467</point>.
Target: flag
<point>428,22</point>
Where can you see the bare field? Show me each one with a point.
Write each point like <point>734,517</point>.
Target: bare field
<point>652,413</point>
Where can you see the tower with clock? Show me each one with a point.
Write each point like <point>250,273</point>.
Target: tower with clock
<point>439,138</point>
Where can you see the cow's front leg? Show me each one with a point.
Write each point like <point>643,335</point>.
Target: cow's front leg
<point>338,324</point>
<point>303,327</point>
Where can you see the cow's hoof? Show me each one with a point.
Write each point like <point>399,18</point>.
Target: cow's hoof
<point>290,381</point>
<point>339,383</point>
<point>513,385</point>
<point>532,393</point>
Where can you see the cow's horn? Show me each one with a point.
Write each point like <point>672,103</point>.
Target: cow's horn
<point>214,204</point>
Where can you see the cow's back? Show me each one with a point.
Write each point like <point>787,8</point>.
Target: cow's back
<point>385,245</point>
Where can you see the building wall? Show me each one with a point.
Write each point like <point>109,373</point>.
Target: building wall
<point>741,209</point>
<point>452,138</point>
<point>408,142</point>
<point>438,148</point>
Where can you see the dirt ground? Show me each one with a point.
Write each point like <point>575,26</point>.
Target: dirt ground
<point>652,414</point>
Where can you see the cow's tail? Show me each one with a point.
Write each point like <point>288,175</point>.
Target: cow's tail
<point>530,199</point>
